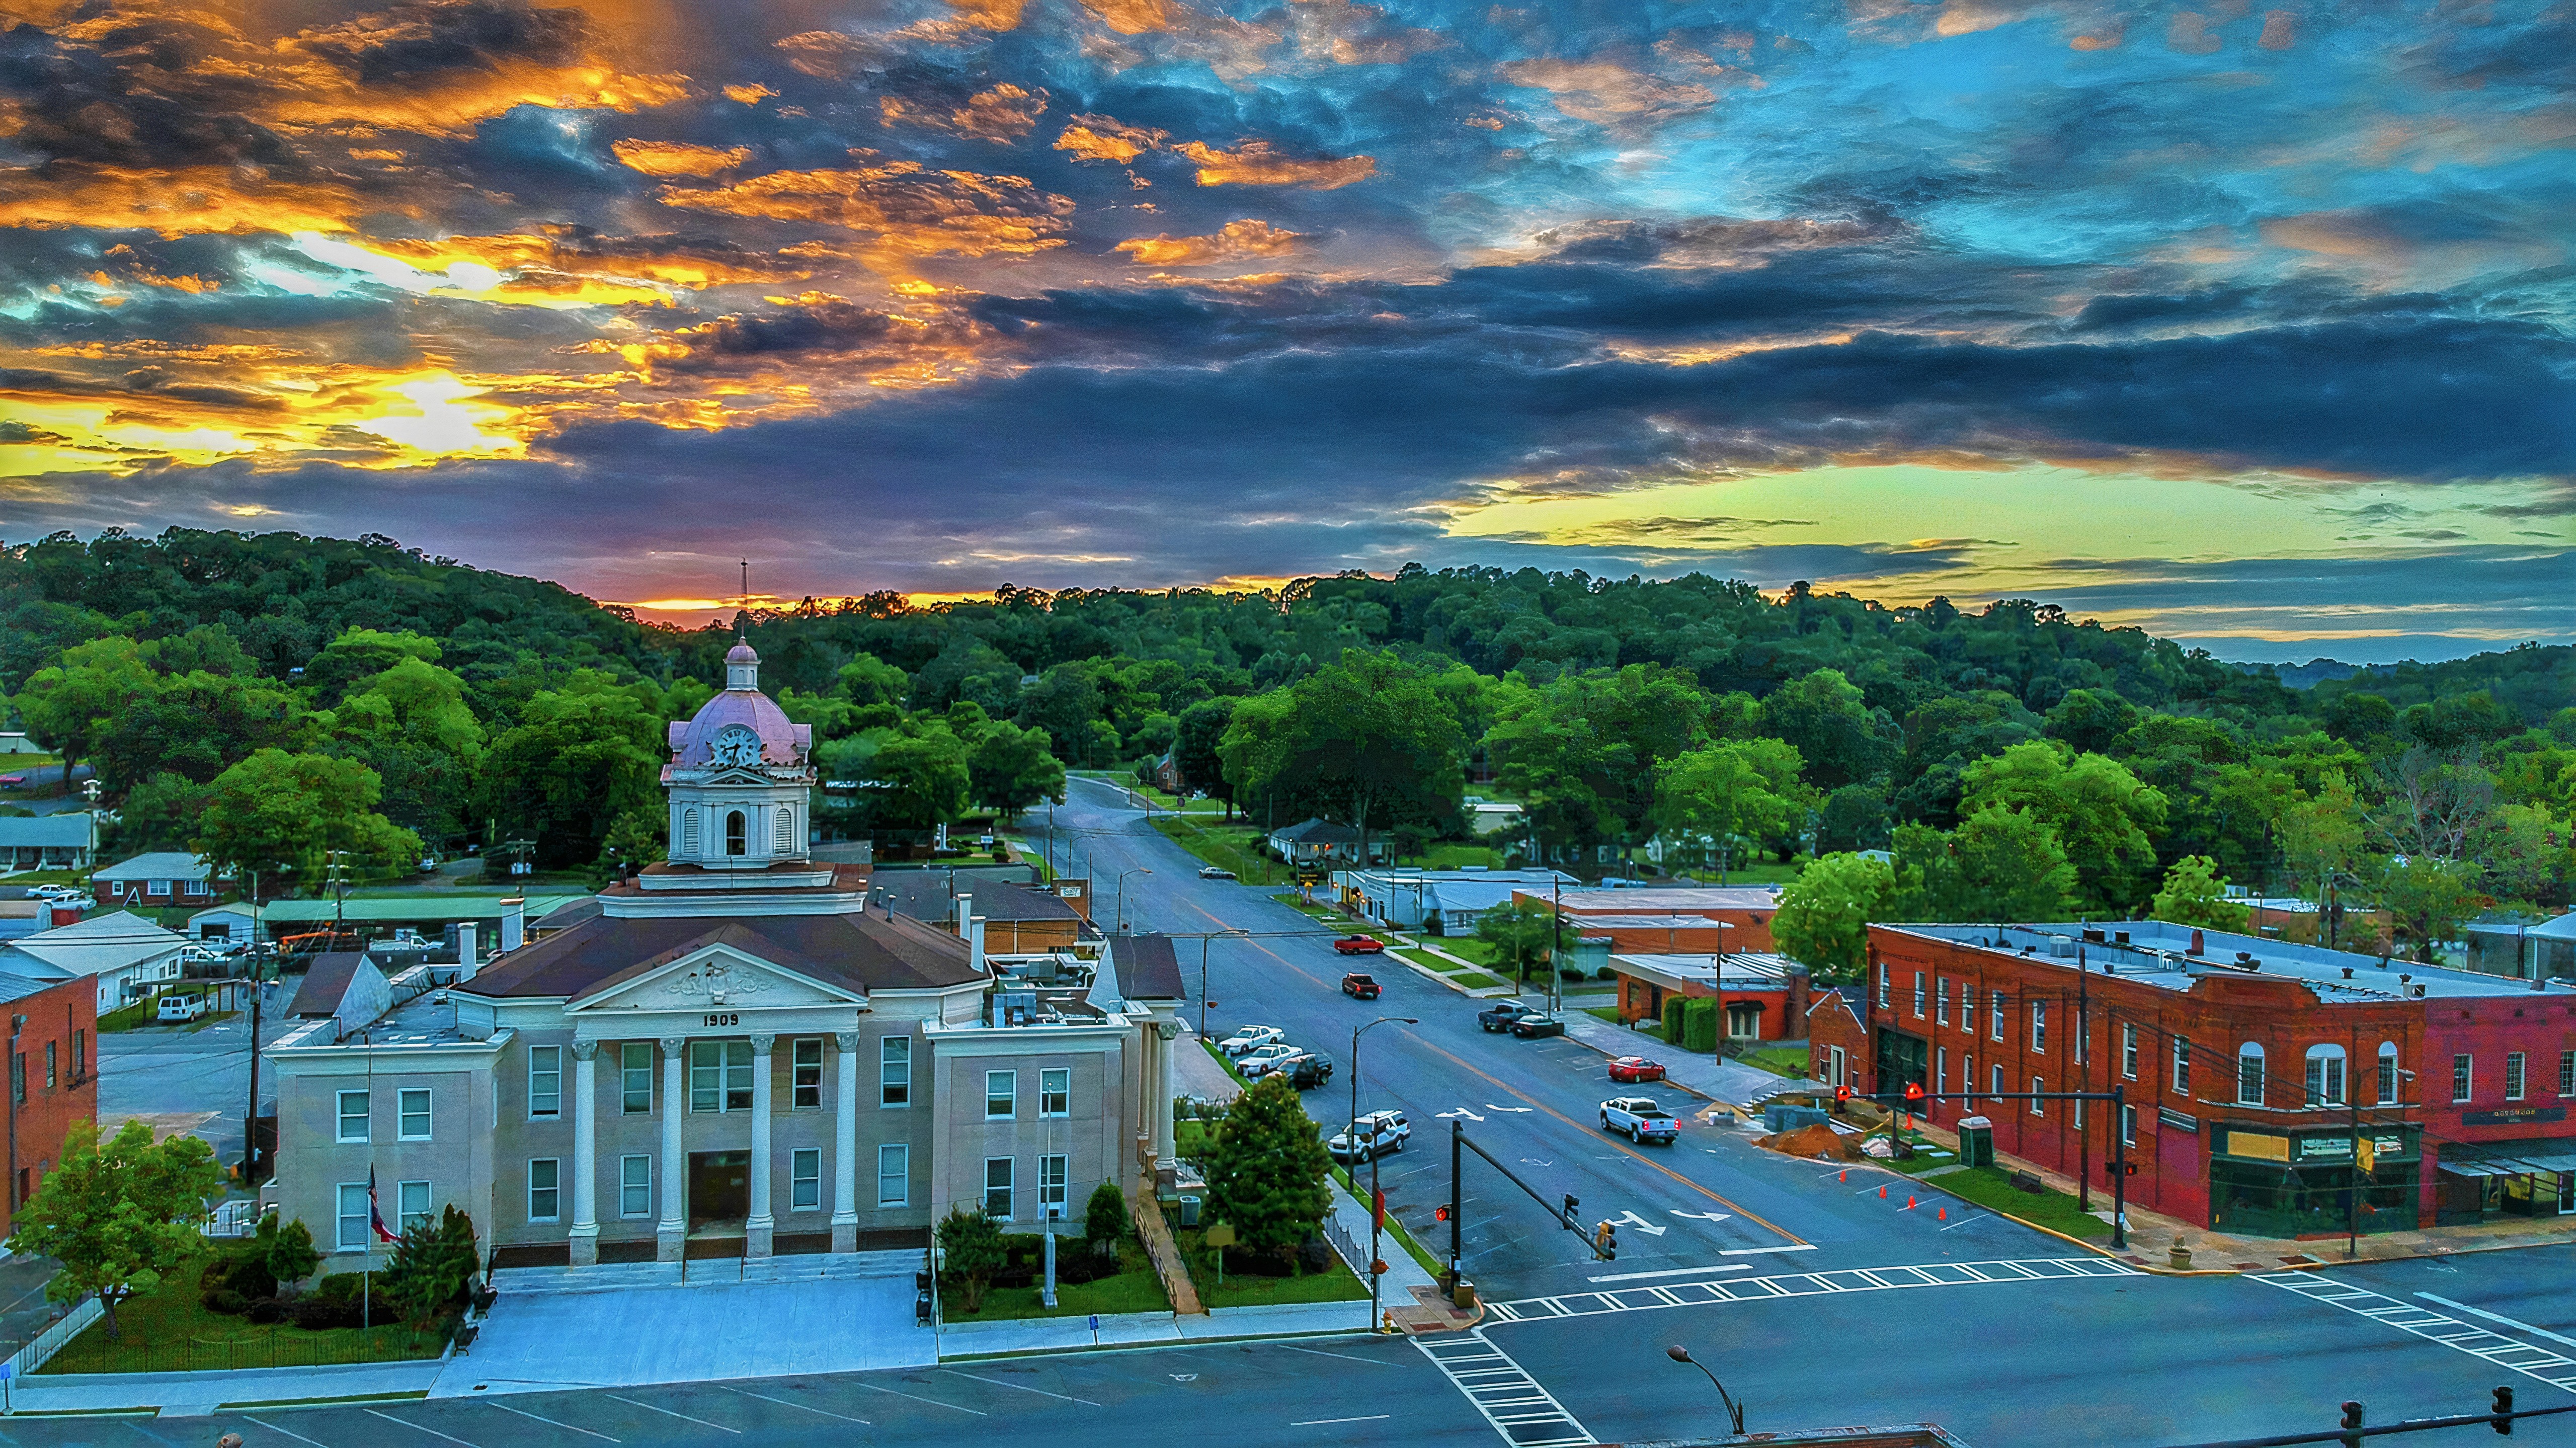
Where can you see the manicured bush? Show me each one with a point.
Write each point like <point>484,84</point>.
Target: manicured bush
<point>1104,1218</point>
<point>1673,1019</point>
<point>265,1310</point>
<point>226,1301</point>
<point>1699,1024</point>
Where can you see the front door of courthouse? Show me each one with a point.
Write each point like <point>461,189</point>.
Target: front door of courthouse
<point>719,1187</point>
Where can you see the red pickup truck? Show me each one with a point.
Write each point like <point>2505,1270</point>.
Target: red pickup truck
<point>1359,945</point>
<point>1359,987</point>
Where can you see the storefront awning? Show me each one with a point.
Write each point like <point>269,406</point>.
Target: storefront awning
<point>2510,1158</point>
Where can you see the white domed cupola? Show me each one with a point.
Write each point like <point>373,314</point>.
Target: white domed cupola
<point>740,777</point>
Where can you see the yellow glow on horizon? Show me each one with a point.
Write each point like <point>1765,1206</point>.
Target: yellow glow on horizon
<point>443,422</point>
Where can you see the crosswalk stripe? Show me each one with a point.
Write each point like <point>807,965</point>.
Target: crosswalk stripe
<point>1512,1402</point>
<point>1813,1284</point>
<point>2475,1342</point>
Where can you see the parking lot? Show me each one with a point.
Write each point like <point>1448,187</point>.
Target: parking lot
<point>190,1077</point>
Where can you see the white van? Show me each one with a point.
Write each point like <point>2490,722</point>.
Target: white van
<point>183,1007</point>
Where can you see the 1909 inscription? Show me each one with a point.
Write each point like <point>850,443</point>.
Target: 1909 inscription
<point>724,1018</point>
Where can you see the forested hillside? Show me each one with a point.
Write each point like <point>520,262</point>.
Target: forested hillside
<point>269,697</point>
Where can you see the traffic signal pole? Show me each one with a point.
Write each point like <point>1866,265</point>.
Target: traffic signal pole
<point>1564,1214</point>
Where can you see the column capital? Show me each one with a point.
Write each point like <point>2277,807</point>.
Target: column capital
<point>585,1050</point>
<point>848,1041</point>
<point>760,1044</point>
<point>671,1045</point>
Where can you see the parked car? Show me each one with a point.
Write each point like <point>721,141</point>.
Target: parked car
<point>1536,1024</point>
<point>1215,872</point>
<point>1500,1015</point>
<point>12,780</point>
<point>1247,1037</point>
<point>1381,1132</point>
<point>176,1007</point>
<point>1636,1068</point>
<point>1260,1059</point>
<point>1639,1119</point>
<point>1359,945</point>
<point>1359,987</point>
<point>1306,1070</point>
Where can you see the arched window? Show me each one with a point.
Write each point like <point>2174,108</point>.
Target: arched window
<point>689,832</point>
<point>2325,1076</point>
<point>786,833</point>
<point>2249,1074</point>
<point>2388,1073</point>
<point>734,833</point>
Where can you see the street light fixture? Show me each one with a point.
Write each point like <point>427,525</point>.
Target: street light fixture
<point>1734,1409</point>
<point>1122,894</point>
<point>1353,1137</point>
<point>1232,932</point>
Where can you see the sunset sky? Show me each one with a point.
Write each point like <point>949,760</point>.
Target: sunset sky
<point>2251,326</point>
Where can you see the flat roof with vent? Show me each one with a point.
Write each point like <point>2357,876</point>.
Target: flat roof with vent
<point>2160,953</point>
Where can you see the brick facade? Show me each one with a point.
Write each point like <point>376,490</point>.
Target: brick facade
<point>54,1074</point>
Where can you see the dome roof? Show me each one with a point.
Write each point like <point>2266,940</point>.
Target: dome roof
<point>782,740</point>
<point>741,653</point>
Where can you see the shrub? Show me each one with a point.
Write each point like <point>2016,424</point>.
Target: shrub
<point>1673,1019</point>
<point>265,1310</point>
<point>227,1301</point>
<point>1699,1024</point>
<point>972,1246</point>
<point>433,1267</point>
<point>1104,1219</point>
<point>1316,1254</point>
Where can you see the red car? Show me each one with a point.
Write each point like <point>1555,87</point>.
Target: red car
<point>1359,945</point>
<point>1636,1068</point>
<point>1359,987</point>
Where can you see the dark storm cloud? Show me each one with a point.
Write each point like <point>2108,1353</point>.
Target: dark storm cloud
<point>134,94</point>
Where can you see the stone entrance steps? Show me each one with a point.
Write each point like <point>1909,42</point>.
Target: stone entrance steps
<point>705,1272</point>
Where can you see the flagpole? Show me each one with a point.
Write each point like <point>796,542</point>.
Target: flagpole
<point>367,1272</point>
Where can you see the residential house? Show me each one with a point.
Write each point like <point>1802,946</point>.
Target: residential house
<point>1760,997</point>
<point>156,880</point>
<point>123,955</point>
<point>64,841</point>
<point>740,1054</point>
<point>1320,844</point>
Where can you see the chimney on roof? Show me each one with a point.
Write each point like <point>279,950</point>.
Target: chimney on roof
<point>514,923</point>
<point>975,939</point>
<point>2196,943</point>
<point>464,951</point>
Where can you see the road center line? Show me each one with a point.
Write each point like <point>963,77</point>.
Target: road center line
<point>2498,1317</point>
<point>541,1418</point>
<point>1023,1387</point>
<point>1675,1271</point>
<point>1319,1422</point>
<point>665,1412</point>
<point>417,1427</point>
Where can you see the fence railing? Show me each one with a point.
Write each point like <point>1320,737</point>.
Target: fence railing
<point>291,1349</point>
<point>238,1217</point>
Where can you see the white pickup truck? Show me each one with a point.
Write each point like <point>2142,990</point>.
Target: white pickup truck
<point>1639,1119</point>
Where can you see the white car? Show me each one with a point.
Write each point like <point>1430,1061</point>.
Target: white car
<point>58,894</point>
<point>1380,1132</point>
<point>1245,1038</point>
<point>1260,1059</point>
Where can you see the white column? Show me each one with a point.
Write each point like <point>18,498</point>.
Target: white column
<point>758,1230</point>
<point>1158,1079</point>
<point>585,1153</point>
<point>845,1145</point>
<point>673,1232</point>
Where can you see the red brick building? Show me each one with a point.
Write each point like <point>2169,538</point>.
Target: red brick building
<point>1760,997</point>
<point>2255,1071</point>
<point>1745,911</point>
<point>53,1076</point>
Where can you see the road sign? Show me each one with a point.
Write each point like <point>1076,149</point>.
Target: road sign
<point>2369,1155</point>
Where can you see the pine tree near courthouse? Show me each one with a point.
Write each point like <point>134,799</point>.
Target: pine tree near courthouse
<point>1266,1177</point>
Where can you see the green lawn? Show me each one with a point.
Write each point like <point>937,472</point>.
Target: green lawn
<point>1226,847</point>
<point>1992,1188</point>
<point>1134,1289</point>
<point>1394,1228</point>
<point>1776,1060</point>
<point>1478,980</point>
<point>169,1332</point>
<point>1192,1137</point>
<point>1336,1283</point>
<point>1428,961</point>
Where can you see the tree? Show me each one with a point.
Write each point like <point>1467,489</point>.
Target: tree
<point>1010,769</point>
<point>195,725</point>
<point>1717,793</point>
<point>1839,738</point>
<point>2321,842</point>
<point>2103,816</point>
<point>1065,703</point>
<point>1826,912</point>
<point>2428,897</point>
<point>970,1246</point>
<point>870,681</point>
<point>1998,865</point>
<point>70,706</point>
<point>1369,738</point>
<point>1588,750</point>
<point>278,809</point>
<point>580,757</point>
<point>1266,1177</point>
<point>433,1267</point>
<point>1104,1220</point>
<point>120,1214</point>
<point>411,724</point>
<point>2196,894</point>
<point>1521,931</point>
<point>925,776</point>
<point>1194,748</point>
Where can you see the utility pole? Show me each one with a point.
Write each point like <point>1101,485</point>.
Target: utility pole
<point>337,876</point>
<point>250,1120</point>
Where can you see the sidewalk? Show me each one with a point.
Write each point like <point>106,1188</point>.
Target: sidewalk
<point>1129,1329</point>
<point>1714,1077</point>
<point>184,1395</point>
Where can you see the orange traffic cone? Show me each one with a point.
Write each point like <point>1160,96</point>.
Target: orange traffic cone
<point>1909,1204</point>
<point>1942,1213</point>
<point>1882,1194</point>
<point>1844,1175</point>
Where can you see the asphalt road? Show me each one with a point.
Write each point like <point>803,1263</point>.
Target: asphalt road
<point>2008,1337</point>
<point>173,1071</point>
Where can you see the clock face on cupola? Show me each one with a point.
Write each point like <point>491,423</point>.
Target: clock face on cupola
<point>735,746</point>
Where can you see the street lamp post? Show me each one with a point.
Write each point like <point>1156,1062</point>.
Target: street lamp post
<point>1353,1137</point>
<point>1231,931</point>
<point>1734,1409</point>
<point>1122,894</point>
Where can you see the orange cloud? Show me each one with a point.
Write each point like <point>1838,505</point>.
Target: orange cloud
<point>1000,115</point>
<point>1137,17</point>
<point>2280,30</point>
<point>1100,138</point>
<point>1237,241</point>
<point>749,95</point>
<point>678,158</point>
<point>197,200</point>
<point>2106,38</point>
<point>910,210</point>
<point>1608,94</point>
<point>1255,163</point>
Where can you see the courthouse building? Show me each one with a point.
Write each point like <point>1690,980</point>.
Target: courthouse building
<point>736,1054</point>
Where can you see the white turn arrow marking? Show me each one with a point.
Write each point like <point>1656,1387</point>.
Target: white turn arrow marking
<point>1699,1216</point>
<point>1461,1111</point>
<point>1631,1219</point>
<point>1517,1110</point>
<point>1534,1161</point>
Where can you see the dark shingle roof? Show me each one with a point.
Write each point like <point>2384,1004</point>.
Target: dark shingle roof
<point>1318,832</point>
<point>1147,969</point>
<point>326,981</point>
<point>860,952</point>
<point>924,895</point>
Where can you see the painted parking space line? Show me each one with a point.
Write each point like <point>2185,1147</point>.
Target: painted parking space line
<point>541,1418</point>
<point>918,1398</point>
<point>1320,1422</point>
<point>1023,1387</point>
<point>1346,1357</point>
<point>2536,1363</point>
<point>791,1403</point>
<point>288,1432</point>
<point>418,1427</point>
<point>667,1413</point>
<point>1807,1284</point>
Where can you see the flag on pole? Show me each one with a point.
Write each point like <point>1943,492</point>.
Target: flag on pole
<point>375,1215</point>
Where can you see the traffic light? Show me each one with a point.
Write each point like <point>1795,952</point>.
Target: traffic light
<point>2504,1411</point>
<point>1570,1205</point>
<point>1605,1240</point>
<point>1842,1094</point>
<point>1440,1213</point>
<point>2351,1419</point>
